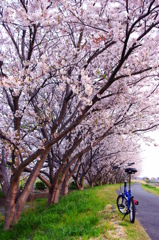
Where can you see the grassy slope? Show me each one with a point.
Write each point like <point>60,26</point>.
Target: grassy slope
<point>89,214</point>
<point>151,189</point>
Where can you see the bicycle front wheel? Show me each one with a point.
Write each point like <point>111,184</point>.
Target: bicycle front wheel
<point>132,210</point>
<point>122,204</point>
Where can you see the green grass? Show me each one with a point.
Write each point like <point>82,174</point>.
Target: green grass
<point>82,215</point>
<point>150,188</point>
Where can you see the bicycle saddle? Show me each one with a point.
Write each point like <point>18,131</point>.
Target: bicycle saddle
<point>130,170</point>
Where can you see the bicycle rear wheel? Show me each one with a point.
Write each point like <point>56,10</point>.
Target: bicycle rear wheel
<point>122,204</point>
<point>132,210</point>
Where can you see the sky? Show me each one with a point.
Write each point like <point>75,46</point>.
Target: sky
<point>150,157</point>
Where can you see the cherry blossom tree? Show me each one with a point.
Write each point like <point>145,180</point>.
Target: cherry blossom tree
<point>61,64</point>
<point>97,165</point>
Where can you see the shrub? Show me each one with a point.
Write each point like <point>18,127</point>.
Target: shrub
<point>40,185</point>
<point>1,193</point>
<point>72,185</point>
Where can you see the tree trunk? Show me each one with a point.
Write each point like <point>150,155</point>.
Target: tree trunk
<point>5,188</point>
<point>54,193</point>
<point>3,174</point>
<point>101,182</point>
<point>10,205</point>
<point>92,184</point>
<point>65,189</point>
<point>82,182</point>
<point>78,185</point>
<point>56,183</point>
<point>4,180</point>
<point>65,186</point>
<point>15,201</point>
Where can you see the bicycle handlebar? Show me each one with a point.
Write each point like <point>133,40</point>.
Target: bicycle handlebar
<point>131,164</point>
<point>122,165</point>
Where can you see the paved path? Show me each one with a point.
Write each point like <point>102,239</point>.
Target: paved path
<point>148,210</point>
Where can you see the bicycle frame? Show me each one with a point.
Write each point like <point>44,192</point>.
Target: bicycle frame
<point>127,193</point>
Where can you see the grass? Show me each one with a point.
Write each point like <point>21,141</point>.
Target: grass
<point>82,215</point>
<point>150,188</point>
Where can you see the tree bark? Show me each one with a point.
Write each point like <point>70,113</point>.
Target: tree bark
<point>4,180</point>
<point>54,194</point>
<point>65,186</point>
<point>3,174</point>
<point>15,201</point>
<point>10,205</point>
<point>54,190</point>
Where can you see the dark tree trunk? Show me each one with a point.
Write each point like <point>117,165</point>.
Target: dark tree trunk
<point>54,190</point>
<point>3,175</point>
<point>54,194</point>
<point>4,180</point>
<point>10,205</point>
<point>15,201</point>
<point>65,186</point>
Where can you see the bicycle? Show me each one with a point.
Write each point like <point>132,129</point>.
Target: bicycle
<point>125,201</point>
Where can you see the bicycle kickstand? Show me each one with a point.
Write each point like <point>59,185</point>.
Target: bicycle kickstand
<point>125,215</point>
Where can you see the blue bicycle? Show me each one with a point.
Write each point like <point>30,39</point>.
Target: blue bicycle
<point>125,201</point>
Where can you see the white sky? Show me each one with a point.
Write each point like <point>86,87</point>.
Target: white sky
<point>150,157</point>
